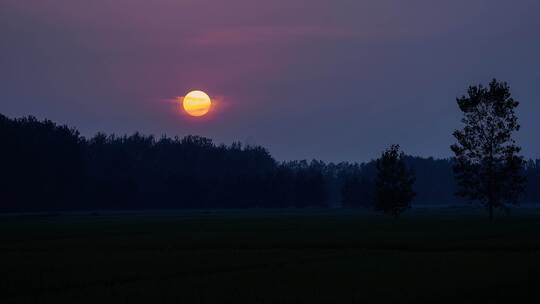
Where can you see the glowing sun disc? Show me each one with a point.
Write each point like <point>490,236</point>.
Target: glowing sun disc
<point>197,103</point>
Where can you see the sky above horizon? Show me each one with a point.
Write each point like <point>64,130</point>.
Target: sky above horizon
<point>337,80</point>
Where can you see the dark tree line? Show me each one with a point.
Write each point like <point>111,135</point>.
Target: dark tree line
<point>435,183</point>
<point>49,167</point>
<point>44,167</point>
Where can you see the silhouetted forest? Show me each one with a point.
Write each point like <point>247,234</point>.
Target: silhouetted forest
<point>47,167</point>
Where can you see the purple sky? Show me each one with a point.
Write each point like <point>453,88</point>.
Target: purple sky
<point>326,79</point>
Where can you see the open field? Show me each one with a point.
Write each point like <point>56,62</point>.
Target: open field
<point>291,256</point>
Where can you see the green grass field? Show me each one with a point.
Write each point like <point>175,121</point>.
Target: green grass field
<point>315,256</point>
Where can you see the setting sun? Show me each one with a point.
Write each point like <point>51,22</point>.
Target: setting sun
<point>197,103</point>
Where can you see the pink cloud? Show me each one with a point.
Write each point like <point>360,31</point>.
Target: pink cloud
<point>264,34</point>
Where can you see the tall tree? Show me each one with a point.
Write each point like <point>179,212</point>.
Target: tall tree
<point>487,166</point>
<point>394,183</point>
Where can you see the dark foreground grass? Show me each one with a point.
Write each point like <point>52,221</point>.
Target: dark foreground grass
<point>430,256</point>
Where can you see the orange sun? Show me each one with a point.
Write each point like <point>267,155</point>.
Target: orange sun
<point>197,103</point>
